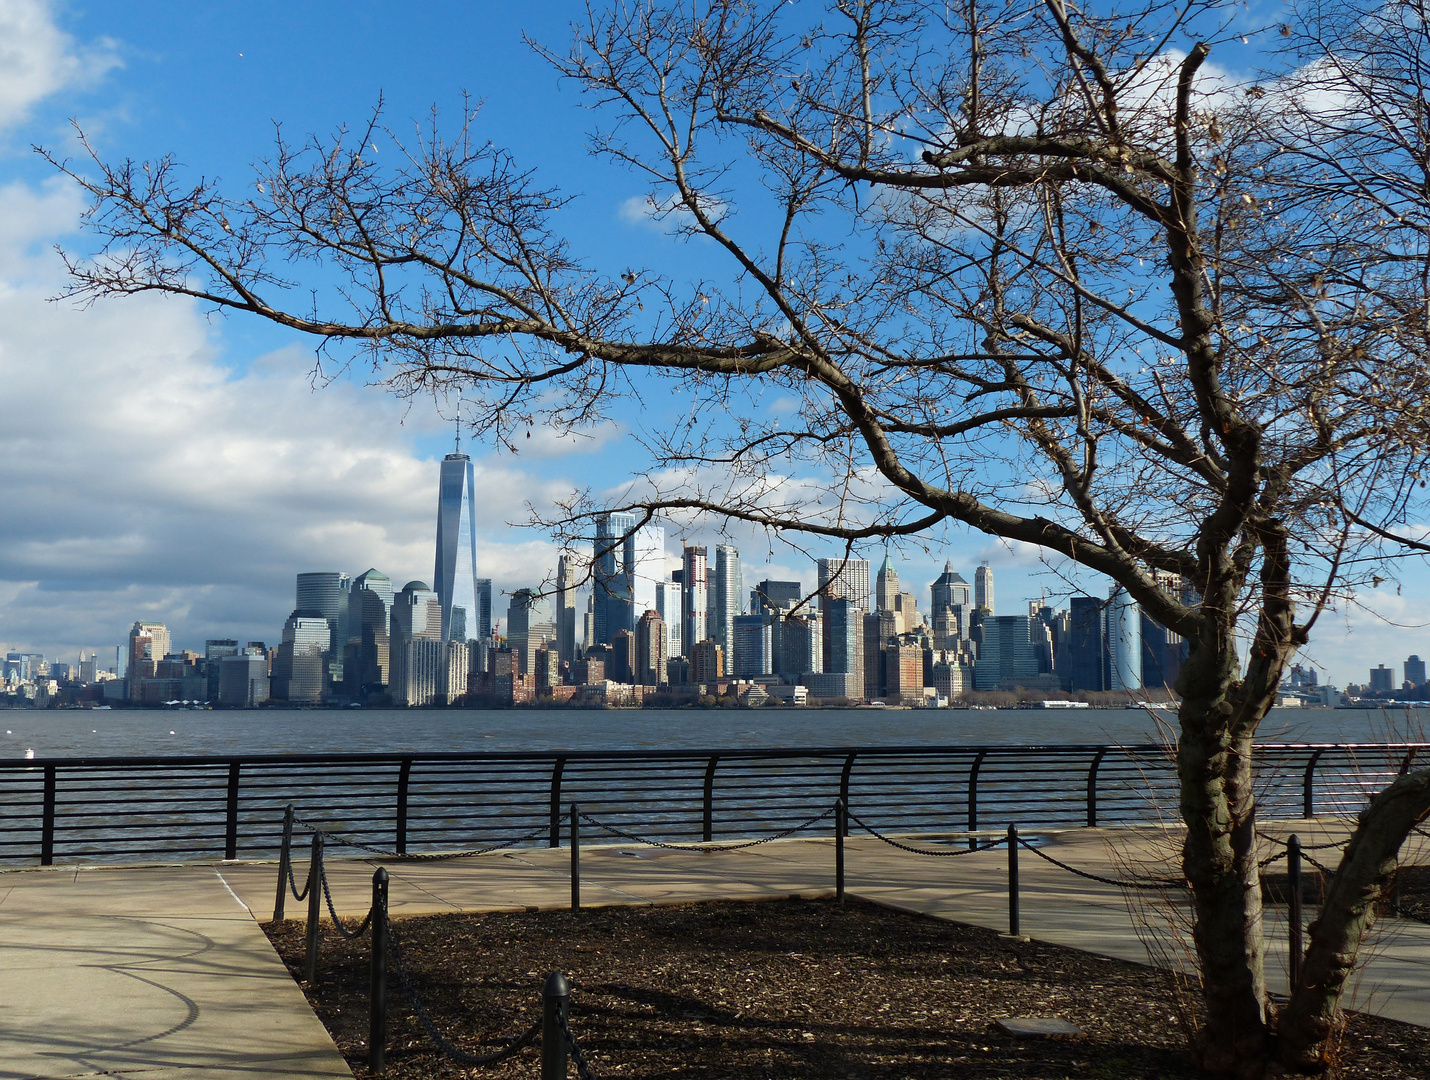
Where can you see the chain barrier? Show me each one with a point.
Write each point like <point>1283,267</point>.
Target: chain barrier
<point>950,853</point>
<point>337,922</point>
<point>1166,884</point>
<point>510,1045</point>
<point>1305,847</point>
<point>1322,867</point>
<point>583,1068</point>
<point>1264,863</point>
<point>423,856</point>
<point>293,885</point>
<point>713,845</point>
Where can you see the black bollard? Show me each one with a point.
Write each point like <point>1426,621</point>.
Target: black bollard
<point>315,897</point>
<point>575,857</point>
<point>285,860</point>
<point>1013,880</point>
<point>1293,913</point>
<point>555,996</point>
<point>841,829</point>
<point>377,996</point>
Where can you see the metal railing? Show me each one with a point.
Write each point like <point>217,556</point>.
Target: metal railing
<point>144,808</point>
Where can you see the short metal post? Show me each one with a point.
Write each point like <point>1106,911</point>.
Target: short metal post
<point>575,857</point>
<point>1013,928</point>
<point>1293,914</point>
<point>377,997</point>
<point>555,998</point>
<point>841,827</point>
<point>315,891</point>
<point>285,860</point>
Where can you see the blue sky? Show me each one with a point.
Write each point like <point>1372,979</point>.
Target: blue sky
<point>162,463</point>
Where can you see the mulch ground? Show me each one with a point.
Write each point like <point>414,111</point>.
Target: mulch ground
<point>779,989</point>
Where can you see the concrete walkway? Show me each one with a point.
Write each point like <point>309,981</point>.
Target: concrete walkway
<point>164,972</point>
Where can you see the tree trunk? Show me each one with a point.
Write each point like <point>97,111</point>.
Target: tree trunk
<point>1311,1019</point>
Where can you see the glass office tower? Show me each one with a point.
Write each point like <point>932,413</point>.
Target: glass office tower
<point>455,576</point>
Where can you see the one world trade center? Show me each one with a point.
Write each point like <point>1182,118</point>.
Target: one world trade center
<point>455,578</point>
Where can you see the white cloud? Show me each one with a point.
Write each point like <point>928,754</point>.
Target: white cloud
<point>667,215</point>
<point>37,59</point>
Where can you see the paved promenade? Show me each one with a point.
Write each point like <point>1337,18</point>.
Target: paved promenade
<point>163,971</point>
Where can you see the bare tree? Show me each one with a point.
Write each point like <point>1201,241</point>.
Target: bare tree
<point>1045,272</point>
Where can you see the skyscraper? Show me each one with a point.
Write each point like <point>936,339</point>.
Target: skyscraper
<point>1009,651</point>
<point>726,595</point>
<point>650,642</point>
<point>627,563</point>
<point>948,592</point>
<point>983,587</point>
<point>325,592</point>
<point>455,578</point>
<point>565,613</point>
<point>367,660</point>
<point>886,586</point>
<point>1124,641</point>
<point>484,608</point>
<point>694,598</point>
<point>298,668</point>
<point>1086,645</point>
<point>846,578</point>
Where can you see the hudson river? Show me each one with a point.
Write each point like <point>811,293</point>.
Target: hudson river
<point>67,733</point>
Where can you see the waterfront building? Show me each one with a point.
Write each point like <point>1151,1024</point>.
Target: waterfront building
<point>846,579</point>
<point>416,670</point>
<point>694,596</point>
<point>1163,652</point>
<point>299,667</point>
<point>148,644</point>
<point>950,679</point>
<point>621,657</point>
<point>565,613</point>
<point>707,662</point>
<point>668,607</point>
<point>454,578</point>
<point>1086,648</point>
<point>801,645</point>
<point>1124,642</point>
<point>843,643</point>
<point>650,642</point>
<point>1382,679</point>
<point>326,592</point>
<point>367,660</point>
<point>983,587</point>
<point>1008,653</point>
<point>727,592</point>
<point>1414,672</point>
<point>243,679</point>
<point>903,675</point>
<point>754,646</point>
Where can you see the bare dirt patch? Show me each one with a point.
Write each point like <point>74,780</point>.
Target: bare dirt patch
<point>779,989</point>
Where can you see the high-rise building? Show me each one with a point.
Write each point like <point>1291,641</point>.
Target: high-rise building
<point>1382,679</point>
<point>627,561</point>
<point>1163,651</point>
<point>727,592</point>
<point>983,587</point>
<point>415,670</point>
<point>326,592</point>
<point>1414,671</point>
<point>948,592</point>
<point>298,668</point>
<point>845,578</point>
<point>1124,641</point>
<point>694,597</point>
<point>484,609</point>
<point>801,648</point>
<point>1083,655</point>
<point>843,638</point>
<point>527,628</point>
<point>367,661</point>
<point>668,606</point>
<point>565,613</point>
<point>772,596</point>
<point>707,662</point>
<point>1009,652</point>
<point>886,586</point>
<point>620,660</point>
<point>148,644</point>
<point>455,577</point>
<point>754,646</point>
<point>650,641</point>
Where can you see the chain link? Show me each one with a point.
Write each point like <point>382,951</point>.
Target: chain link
<point>1264,863</point>
<point>328,896</point>
<point>511,1045</point>
<point>583,1068</point>
<point>423,856</point>
<point>951,852</point>
<point>1304,847</point>
<point>293,885</point>
<point>713,845</point>
<point>1167,884</point>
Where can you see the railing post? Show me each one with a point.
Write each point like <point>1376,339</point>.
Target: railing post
<point>708,832</point>
<point>841,827</point>
<point>377,995</point>
<point>973,797</point>
<point>1092,787</point>
<point>844,778</point>
<point>556,801</point>
<point>285,860</point>
<point>555,998</point>
<point>230,832</point>
<point>404,774</point>
<point>315,899</point>
<point>1013,920</point>
<point>1308,809</point>
<point>47,819</point>
<point>1293,914</point>
<point>575,857</point>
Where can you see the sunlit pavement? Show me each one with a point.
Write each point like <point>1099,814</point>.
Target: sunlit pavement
<point>164,970</point>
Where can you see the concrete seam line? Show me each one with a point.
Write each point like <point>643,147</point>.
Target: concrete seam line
<point>233,894</point>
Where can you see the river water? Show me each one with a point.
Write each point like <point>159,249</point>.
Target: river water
<point>67,733</point>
